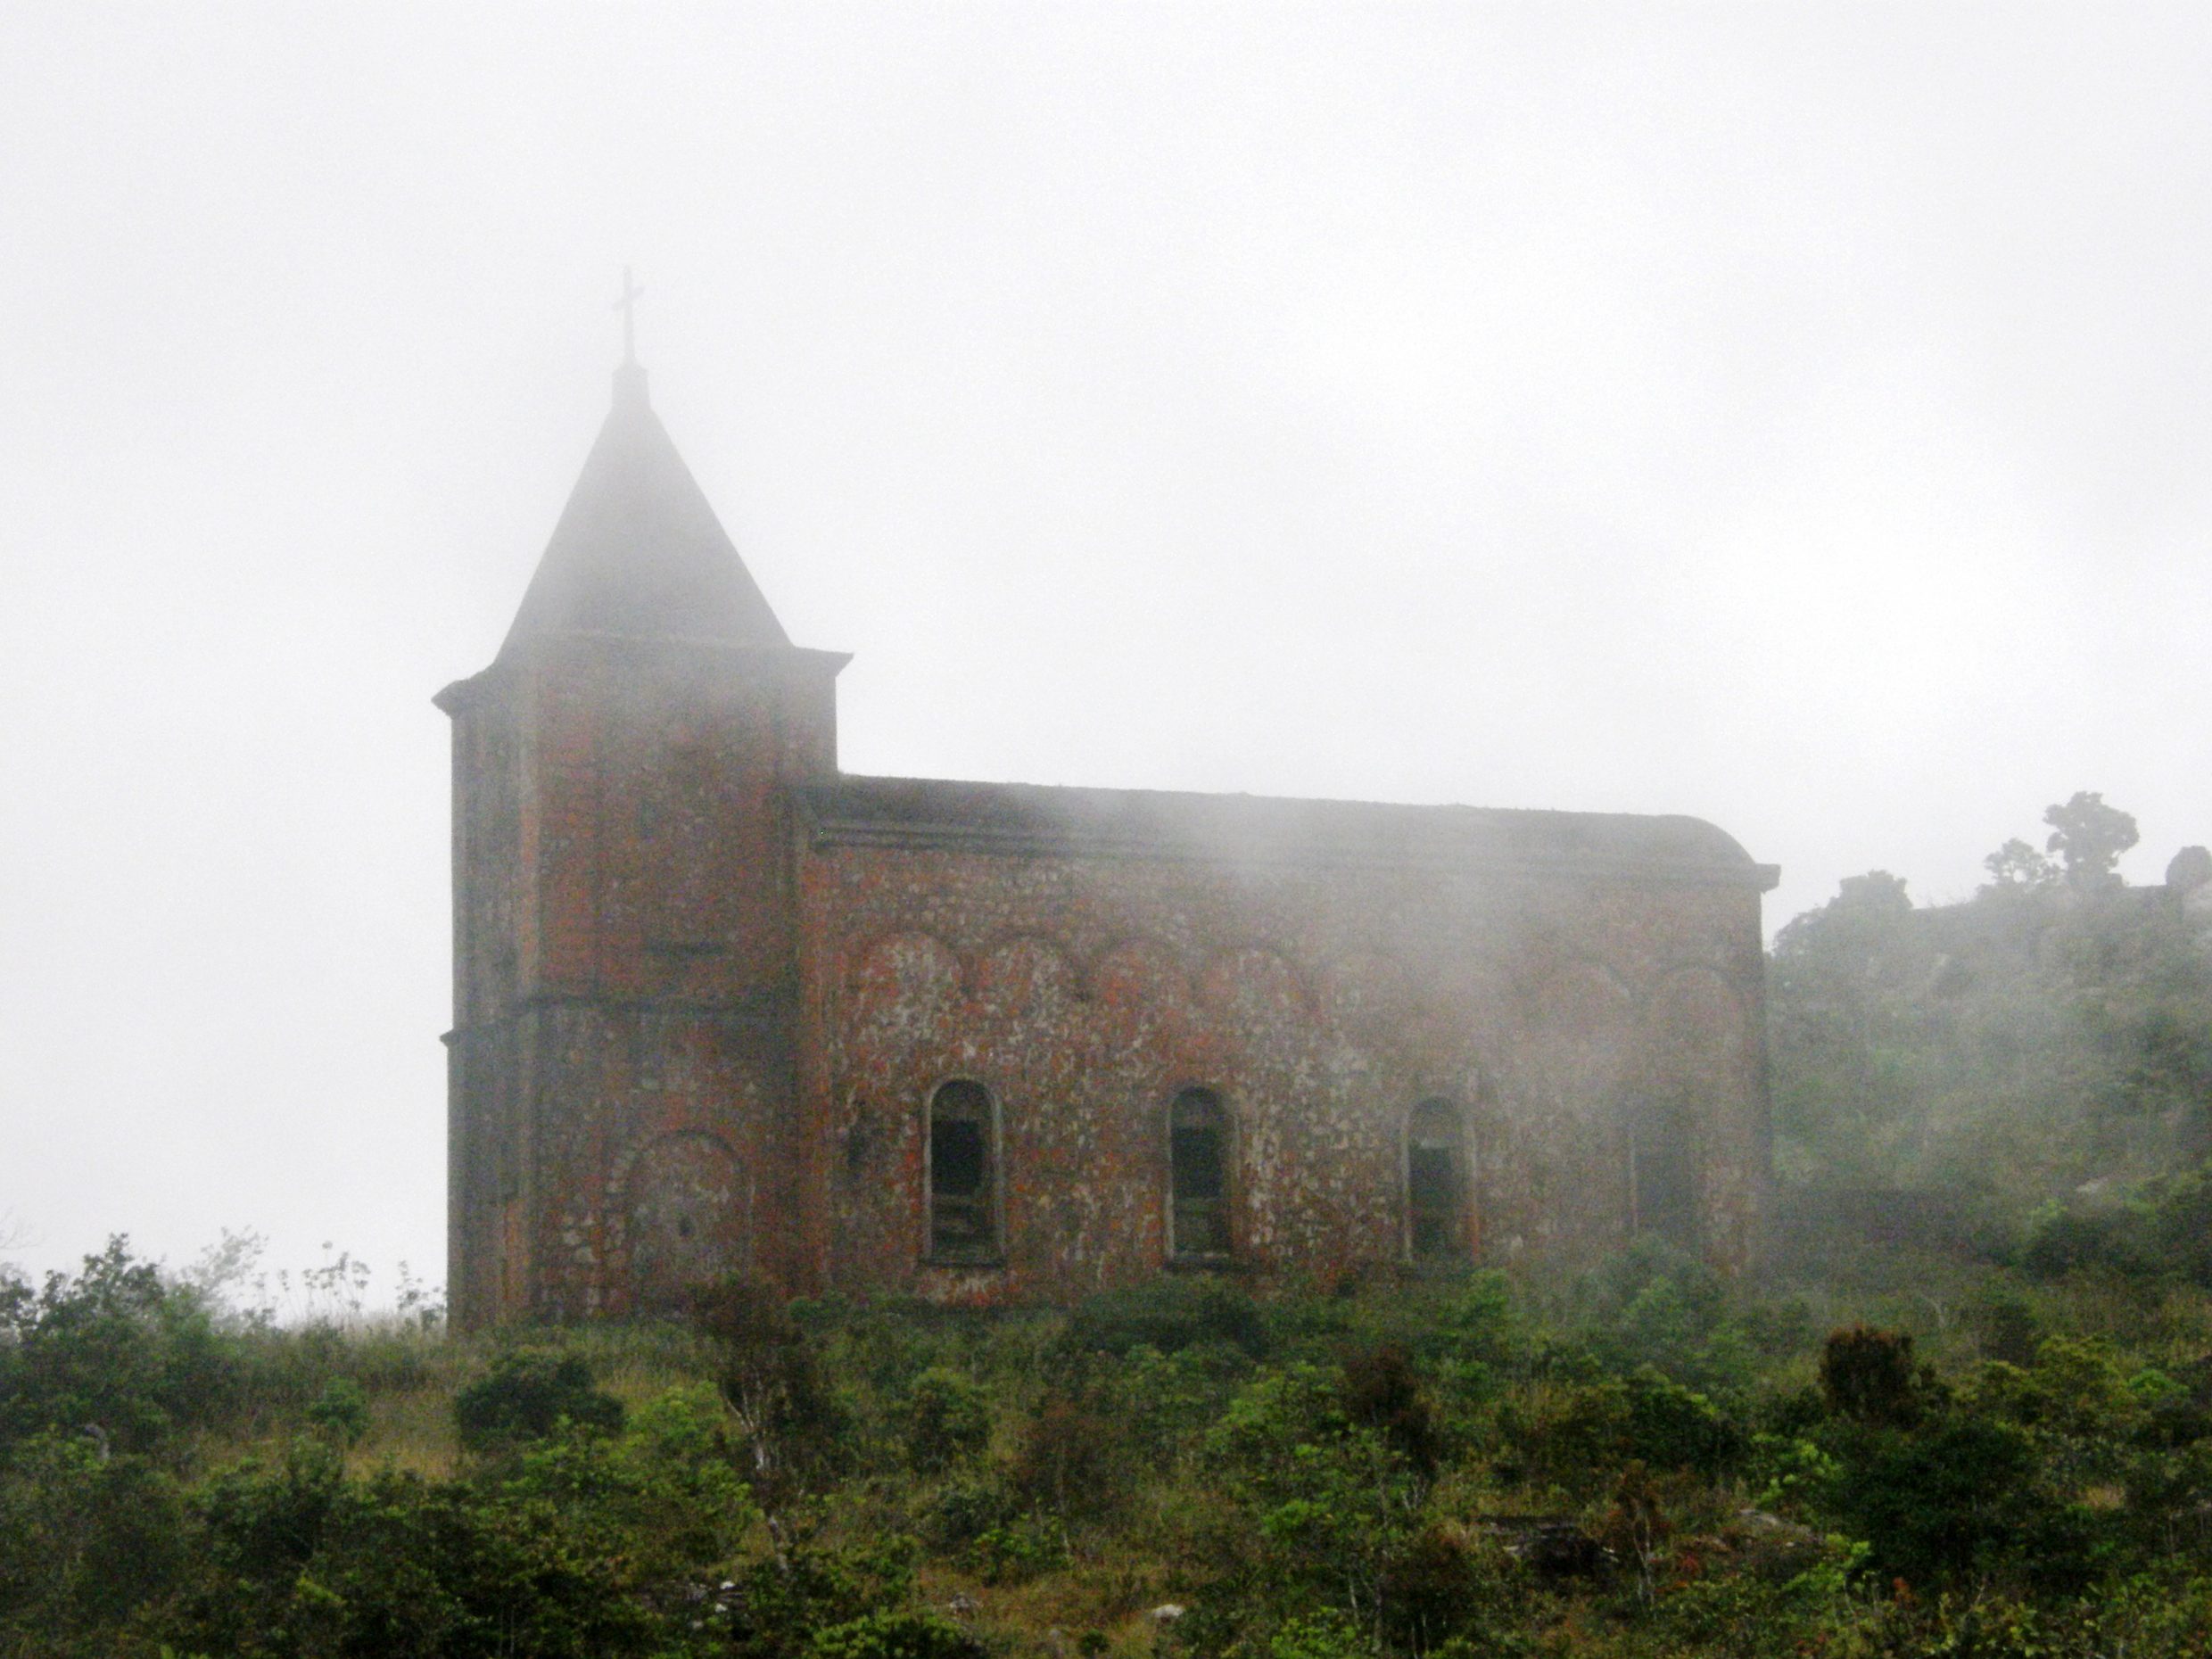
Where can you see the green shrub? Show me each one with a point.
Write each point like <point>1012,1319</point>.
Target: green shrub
<point>1563,1435</point>
<point>1168,1314</point>
<point>1654,1303</point>
<point>2061,1241</point>
<point>1161,1403</point>
<point>1328,1635</point>
<point>784,1601</point>
<point>411,1566</point>
<point>1672,1427</point>
<point>341,1410</point>
<point>1868,1376</point>
<point>947,1420</point>
<point>1440,1588</point>
<point>667,1491</point>
<point>526,1394</point>
<point>2161,1230</point>
<point>967,1506</point>
<point>1019,1549</point>
<point>117,1352</point>
<point>1071,1461</point>
<point>264,1521</point>
<point>896,1635</point>
<point>86,1541</point>
<point>2005,1328</point>
<point>1468,1322</point>
<point>1959,1495</point>
<point>1382,1390</point>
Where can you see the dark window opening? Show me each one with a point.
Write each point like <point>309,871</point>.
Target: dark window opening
<point>1435,1185</point>
<point>1198,1156</point>
<point>963,1222</point>
<point>1662,1175</point>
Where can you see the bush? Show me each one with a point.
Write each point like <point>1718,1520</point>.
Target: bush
<point>1960,1496</point>
<point>892,1635</point>
<point>1672,1427</point>
<point>1654,1304</point>
<point>948,1420</point>
<point>1168,1314</point>
<point>2005,1328</point>
<point>2061,1241</point>
<point>116,1352</point>
<point>413,1566</point>
<point>668,1490</point>
<point>1382,1390</point>
<point>528,1393</point>
<point>787,1602</point>
<point>1868,1376</point>
<point>85,1542</point>
<point>965,1507</point>
<point>263,1521</point>
<point>1071,1461</point>
<point>2163,1230</point>
<point>341,1410</point>
<point>1438,1587</point>
<point>1019,1549</point>
<point>1320,1635</point>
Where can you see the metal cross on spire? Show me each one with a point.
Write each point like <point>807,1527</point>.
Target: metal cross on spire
<point>628,306</point>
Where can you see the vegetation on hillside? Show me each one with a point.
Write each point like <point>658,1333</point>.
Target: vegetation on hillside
<point>2053,1033</point>
<point>1920,1457</point>
<point>1997,1441</point>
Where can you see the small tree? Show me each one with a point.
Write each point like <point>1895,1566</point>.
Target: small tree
<point>2089,838</point>
<point>772,1381</point>
<point>948,1420</point>
<point>2017,867</point>
<point>1867,1374</point>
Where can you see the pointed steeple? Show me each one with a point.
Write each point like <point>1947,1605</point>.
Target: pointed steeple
<point>638,551</point>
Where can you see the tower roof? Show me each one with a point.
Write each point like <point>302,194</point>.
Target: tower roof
<point>638,551</point>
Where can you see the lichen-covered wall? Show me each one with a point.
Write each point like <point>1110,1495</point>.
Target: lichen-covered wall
<point>696,1030</point>
<point>1322,1004</point>
<point>622,1116</point>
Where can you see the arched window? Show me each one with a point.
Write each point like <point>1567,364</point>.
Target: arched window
<point>1198,1159</point>
<point>1436,1183</point>
<point>1662,1171</point>
<point>963,1185</point>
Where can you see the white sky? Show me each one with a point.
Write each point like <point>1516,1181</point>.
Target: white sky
<point>1797,416</point>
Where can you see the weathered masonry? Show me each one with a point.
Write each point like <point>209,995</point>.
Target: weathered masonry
<point>722,1010</point>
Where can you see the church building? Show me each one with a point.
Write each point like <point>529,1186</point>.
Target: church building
<point>723,1010</point>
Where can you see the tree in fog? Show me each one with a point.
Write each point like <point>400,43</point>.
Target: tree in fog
<point>2089,838</point>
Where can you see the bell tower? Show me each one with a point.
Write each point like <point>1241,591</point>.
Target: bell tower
<point>621,1069</point>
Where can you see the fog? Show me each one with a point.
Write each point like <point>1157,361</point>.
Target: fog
<point>1797,417</point>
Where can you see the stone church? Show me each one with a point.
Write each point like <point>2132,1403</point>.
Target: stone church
<point>721,1008</point>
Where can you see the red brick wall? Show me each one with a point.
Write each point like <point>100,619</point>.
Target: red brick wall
<point>626,981</point>
<point>1323,1004</point>
<point>689,1041</point>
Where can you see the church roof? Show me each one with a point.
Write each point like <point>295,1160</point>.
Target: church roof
<point>1153,824</point>
<point>638,551</point>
